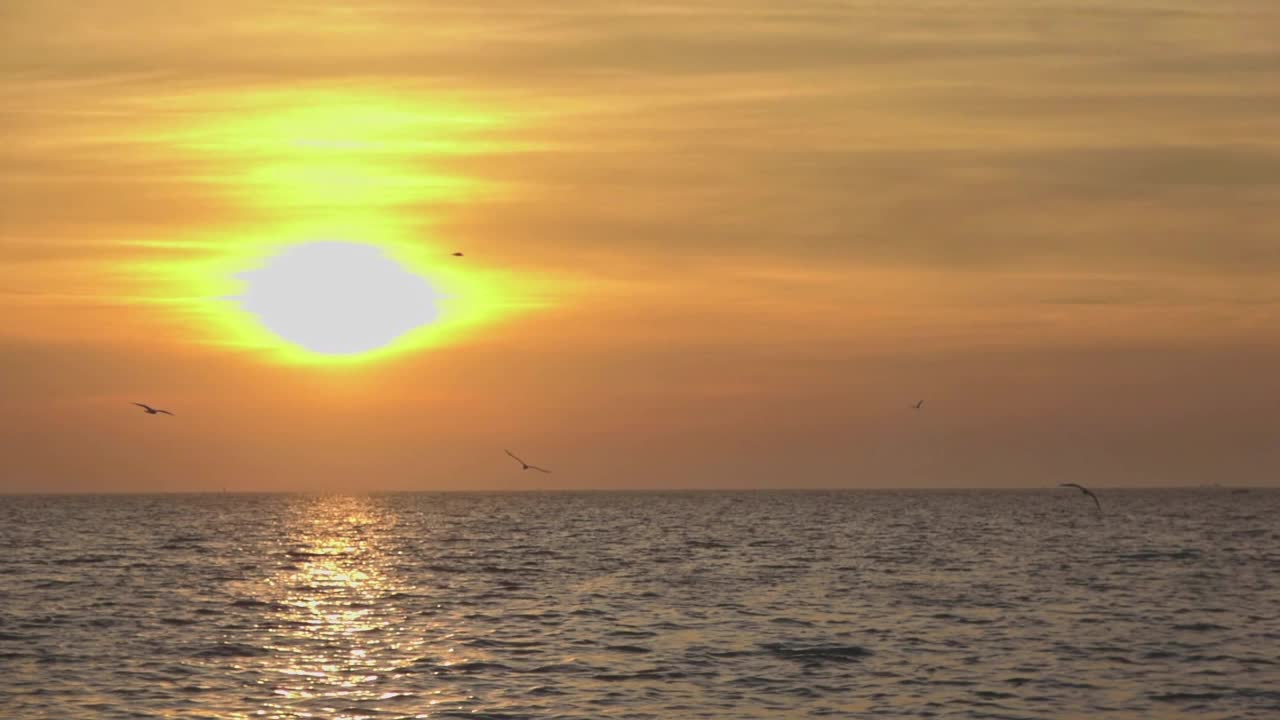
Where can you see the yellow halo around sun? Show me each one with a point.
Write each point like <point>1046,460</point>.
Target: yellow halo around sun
<point>341,276</point>
<point>309,314</point>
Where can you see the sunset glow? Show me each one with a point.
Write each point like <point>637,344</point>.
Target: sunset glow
<point>727,241</point>
<point>327,167</point>
<point>717,359</point>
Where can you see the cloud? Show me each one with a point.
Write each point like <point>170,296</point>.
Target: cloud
<point>971,150</point>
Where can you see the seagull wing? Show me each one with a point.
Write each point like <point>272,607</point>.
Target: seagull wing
<point>535,467</point>
<point>1095,500</point>
<point>166,412</point>
<point>1084,490</point>
<point>513,455</point>
<point>148,408</point>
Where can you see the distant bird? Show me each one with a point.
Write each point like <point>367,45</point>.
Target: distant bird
<point>457,254</point>
<point>153,411</point>
<point>1084,490</point>
<point>526,466</point>
<point>918,405</point>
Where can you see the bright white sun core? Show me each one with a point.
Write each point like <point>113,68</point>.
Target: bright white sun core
<point>337,298</point>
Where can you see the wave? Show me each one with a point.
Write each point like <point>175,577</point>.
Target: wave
<point>818,653</point>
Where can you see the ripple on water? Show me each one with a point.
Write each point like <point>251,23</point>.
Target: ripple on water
<point>859,605</point>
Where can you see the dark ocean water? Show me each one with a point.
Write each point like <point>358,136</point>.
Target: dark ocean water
<point>698,605</point>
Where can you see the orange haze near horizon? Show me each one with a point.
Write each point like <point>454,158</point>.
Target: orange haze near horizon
<point>707,244</point>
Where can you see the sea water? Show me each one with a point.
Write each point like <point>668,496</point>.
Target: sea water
<point>957,604</point>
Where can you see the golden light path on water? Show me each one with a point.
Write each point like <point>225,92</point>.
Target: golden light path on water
<point>336,627</point>
<point>313,167</point>
<point>335,618</point>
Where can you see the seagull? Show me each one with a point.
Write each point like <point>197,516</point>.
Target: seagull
<point>457,254</point>
<point>918,405</point>
<point>526,466</point>
<point>153,411</point>
<point>1084,490</point>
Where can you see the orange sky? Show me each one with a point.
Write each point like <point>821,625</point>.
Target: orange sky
<point>708,244</point>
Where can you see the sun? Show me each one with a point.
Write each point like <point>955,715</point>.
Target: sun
<point>338,298</point>
<point>337,263</point>
<point>341,295</point>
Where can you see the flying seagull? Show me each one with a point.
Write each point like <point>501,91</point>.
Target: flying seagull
<point>526,466</point>
<point>457,254</point>
<point>153,411</point>
<point>918,405</point>
<point>1084,490</point>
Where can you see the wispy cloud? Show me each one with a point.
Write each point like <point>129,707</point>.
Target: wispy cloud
<point>739,199</point>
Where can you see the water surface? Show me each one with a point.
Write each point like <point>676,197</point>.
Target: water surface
<point>976,604</point>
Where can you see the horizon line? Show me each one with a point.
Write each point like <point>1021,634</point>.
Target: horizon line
<point>618,491</point>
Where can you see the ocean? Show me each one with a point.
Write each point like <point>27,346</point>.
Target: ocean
<point>860,604</point>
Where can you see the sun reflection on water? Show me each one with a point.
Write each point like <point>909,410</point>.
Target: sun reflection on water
<point>361,609</point>
<point>336,634</point>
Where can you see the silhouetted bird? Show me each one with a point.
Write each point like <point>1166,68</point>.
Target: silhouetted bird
<point>526,466</point>
<point>457,254</point>
<point>153,411</point>
<point>1084,490</point>
<point>918,405</point>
